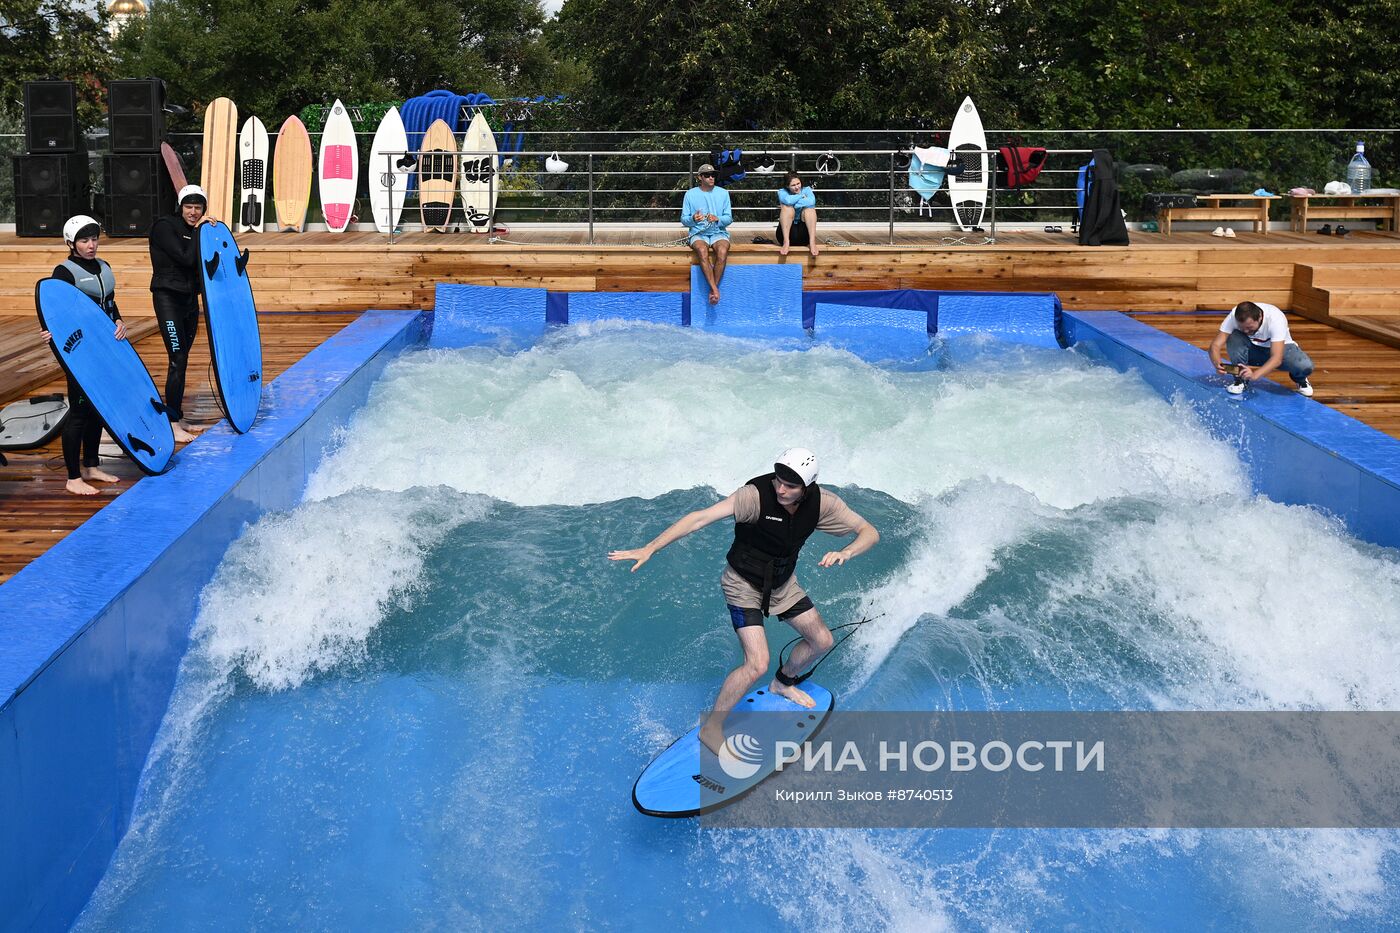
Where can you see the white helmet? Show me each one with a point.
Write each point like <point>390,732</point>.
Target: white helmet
<point>192,191</point>
<point>801,461</point>
<point>75,225</point>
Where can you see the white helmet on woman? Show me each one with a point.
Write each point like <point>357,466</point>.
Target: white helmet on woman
<point>798,460</point>
<point>76,224</point>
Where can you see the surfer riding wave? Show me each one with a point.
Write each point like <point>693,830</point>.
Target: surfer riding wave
<point>774,515</point>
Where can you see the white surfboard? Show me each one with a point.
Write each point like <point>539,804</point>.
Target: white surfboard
<point>339,166</point>
<point>479,182</point>
<point>968,191</point>
<point>389,170</point>
<point>252,176</point>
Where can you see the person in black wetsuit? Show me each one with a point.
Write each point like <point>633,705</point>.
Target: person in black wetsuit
<point>82,432</point>
<point>774,515</point>
<point>175,295</point>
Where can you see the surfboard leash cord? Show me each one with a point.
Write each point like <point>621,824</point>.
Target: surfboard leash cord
<point>784,652</point>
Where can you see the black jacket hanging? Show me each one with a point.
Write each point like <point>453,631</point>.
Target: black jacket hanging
<point>1102,222</point>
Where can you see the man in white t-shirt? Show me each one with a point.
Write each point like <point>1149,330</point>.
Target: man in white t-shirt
<point>1256,338</point>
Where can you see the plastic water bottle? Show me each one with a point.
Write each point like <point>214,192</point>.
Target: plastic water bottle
<point>1359,171</point>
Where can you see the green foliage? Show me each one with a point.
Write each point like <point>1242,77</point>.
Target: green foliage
<point>42,39</point>
<point>799,63</point>
<point>274,57</point>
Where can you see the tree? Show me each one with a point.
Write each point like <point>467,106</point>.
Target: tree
<point>794,64</point>
<point>41,39</point>
<point>274,57</point>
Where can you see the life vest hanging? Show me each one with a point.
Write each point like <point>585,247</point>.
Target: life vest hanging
<point>1021,165</point>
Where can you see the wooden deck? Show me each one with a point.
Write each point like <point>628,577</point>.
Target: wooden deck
<point>36,512</point>
<point>1345,295</point>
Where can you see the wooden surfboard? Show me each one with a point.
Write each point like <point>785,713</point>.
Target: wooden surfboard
<point>219,165</point>
<point>252,175</point>
<point>479,181</point>
<point>437,176</point>
<point>340,169</point>
<point>291,175</point>
<point>173,167</point>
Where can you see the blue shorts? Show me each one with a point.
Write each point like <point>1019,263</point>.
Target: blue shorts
<point>742,618</point>
<point>710,238</point>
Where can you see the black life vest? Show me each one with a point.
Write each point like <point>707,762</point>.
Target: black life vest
<point>765,552</point>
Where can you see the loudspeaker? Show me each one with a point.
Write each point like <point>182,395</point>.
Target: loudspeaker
<point>138,191</point>
<point>136,114</point>
<point>49,188</point>
<point>50,116</point>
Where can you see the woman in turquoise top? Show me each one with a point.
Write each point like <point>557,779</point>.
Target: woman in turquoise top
<point>795,199</point>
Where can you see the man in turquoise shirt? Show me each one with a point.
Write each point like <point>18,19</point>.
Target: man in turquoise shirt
<point>706,214</point>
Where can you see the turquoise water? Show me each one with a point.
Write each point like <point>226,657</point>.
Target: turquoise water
<point>419,700</point>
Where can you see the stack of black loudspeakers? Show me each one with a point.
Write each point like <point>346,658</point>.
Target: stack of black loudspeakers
<point>136,182</point>
<point>51,179</point>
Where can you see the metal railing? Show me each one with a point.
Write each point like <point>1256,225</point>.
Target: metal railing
<point>609,181</point>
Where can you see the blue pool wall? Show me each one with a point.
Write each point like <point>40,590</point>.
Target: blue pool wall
<point>93,631</point>
<point>1298,451</point>
<point>92,647</point>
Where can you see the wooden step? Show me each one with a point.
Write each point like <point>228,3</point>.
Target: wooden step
<point>1325,275</point>
<point>1382,301</point>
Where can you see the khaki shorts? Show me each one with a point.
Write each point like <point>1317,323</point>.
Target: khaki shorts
<point>740,592</point>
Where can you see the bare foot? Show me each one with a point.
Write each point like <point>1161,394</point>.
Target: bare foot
<point>181,435</point>
<point>79,488</point>
<point>794,694</point>
<point>189,428</point>
<point>712,737</point>
<point>783,250</point>
<point>814,251</point>
<point>714,296</point>
<point>102,476</point>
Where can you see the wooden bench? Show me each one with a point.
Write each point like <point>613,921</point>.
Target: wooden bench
<point>1252,209</point>
<point>1384,208</point>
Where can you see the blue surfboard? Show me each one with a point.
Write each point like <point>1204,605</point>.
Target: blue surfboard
<point>112,376</point>
<point>234,340</point>
<point>687,779</point>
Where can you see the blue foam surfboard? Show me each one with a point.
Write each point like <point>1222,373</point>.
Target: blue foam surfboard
<point>232,317</point>
<point>110,373</point>
<point>687,779</point>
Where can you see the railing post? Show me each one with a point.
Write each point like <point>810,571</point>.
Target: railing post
<point>590,199</point>
<point>992,168</point>
<point>892,155</point>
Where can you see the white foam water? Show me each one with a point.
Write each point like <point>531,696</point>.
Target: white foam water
<point>1049,512</point>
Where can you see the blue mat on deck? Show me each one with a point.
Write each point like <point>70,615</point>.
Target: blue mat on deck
<point>465,314</point>
<point>754,300</point>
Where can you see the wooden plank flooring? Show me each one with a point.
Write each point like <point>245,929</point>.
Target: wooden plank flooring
<point>36,512</point>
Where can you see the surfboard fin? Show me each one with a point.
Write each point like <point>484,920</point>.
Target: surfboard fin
<point>252,211</point>
<point>241,263</point>
<point>211,265</point>
<point>159,406</point>
<point>135,443</point>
